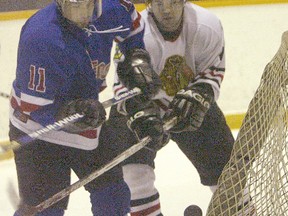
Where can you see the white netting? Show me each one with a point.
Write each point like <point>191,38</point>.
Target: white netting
<point>259,159</point>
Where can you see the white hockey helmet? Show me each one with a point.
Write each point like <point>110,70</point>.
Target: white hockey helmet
<point>80,12</point>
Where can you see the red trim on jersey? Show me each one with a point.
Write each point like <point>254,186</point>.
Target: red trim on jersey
<point>136,22</point>
<point>212,73</point>
<point>14,103</point>
<point>90,134</point>
<point>118,89</point>
<point>216,75</point>
<point>24,106</point>
<point>146,211</point>
<point>28,107</point>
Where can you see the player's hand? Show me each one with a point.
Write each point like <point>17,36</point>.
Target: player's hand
<point>136,71</point>
<point>93,110</point>
<point>147,122</point>
<point>190,105</point>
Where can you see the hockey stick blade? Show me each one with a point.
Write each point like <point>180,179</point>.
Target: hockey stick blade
<point>31,136</point>
<point>56,126</point>
<point>4,95</point>
<point>32,210</point>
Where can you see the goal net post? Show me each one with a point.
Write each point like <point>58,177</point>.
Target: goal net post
<point>255,179</point>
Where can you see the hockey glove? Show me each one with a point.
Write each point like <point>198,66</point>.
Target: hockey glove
<point>94,114</point>
<point>136,71</point>
<point>190,106</point>
<point>147,122</point>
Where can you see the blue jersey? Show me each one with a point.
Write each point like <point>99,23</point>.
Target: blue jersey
<point>59,62</point>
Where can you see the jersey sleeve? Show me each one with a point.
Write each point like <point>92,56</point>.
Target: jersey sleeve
<point>210,60</point>
<point>136,25</point>
<point>42,78</point>
<point>126,42</point>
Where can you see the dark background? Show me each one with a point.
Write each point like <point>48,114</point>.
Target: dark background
<point>16,5</point>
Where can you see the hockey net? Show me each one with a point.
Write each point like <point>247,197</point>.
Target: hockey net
<point>258,167</point>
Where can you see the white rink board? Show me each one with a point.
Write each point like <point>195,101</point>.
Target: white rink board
<point>252,34</point>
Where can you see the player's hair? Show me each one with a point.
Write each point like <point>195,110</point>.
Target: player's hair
<point>148,3</point>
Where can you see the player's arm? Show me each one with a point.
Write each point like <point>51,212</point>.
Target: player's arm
<point>210,59</point>
<point>134,68</point>
<point>45,92</point>
<point>136,71</point>
<point>191,104</point>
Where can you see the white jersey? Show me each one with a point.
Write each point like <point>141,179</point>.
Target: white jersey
<point>196,56</point>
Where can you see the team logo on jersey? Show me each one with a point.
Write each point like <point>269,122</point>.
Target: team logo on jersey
<point>101,69</point>
<point>176,75</point>
<point>118,56</point>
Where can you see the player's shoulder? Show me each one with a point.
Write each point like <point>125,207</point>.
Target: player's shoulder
<point>146,17</point>
<point>116,7</point>
<point>144,13</point>
<point>43,28</point>
<point>202,16</point>
<point>115,13</point>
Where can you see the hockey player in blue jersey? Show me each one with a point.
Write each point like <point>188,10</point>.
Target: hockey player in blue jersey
<point>63,59</point>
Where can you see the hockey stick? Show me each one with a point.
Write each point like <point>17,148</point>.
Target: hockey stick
<point>5,95</point>
<point>56,126</point>
<point>32,210</point>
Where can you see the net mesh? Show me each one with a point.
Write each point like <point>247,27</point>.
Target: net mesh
<point>254,181</point>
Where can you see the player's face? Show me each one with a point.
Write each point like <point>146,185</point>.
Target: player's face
<point>168,13</point>
<point>79,12</point>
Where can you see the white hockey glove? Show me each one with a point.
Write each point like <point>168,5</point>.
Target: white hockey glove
<point>190,105</point>
<point>93,110</point>
<point>136,71</point>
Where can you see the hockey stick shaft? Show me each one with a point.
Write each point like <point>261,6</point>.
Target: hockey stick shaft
<point>65,192</point>
<point>56,126</point>
<point>5,95</point>
<point>32,210</point>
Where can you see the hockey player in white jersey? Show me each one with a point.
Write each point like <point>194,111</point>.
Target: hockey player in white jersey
<point>186,44</point>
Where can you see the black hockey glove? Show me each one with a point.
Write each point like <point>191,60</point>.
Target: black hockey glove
<point>190,106</point>
<point>136,71</point>
<point>94,114</point>
<point>147,122</point>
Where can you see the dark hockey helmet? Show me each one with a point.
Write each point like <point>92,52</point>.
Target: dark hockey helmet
<point>80,12</point>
